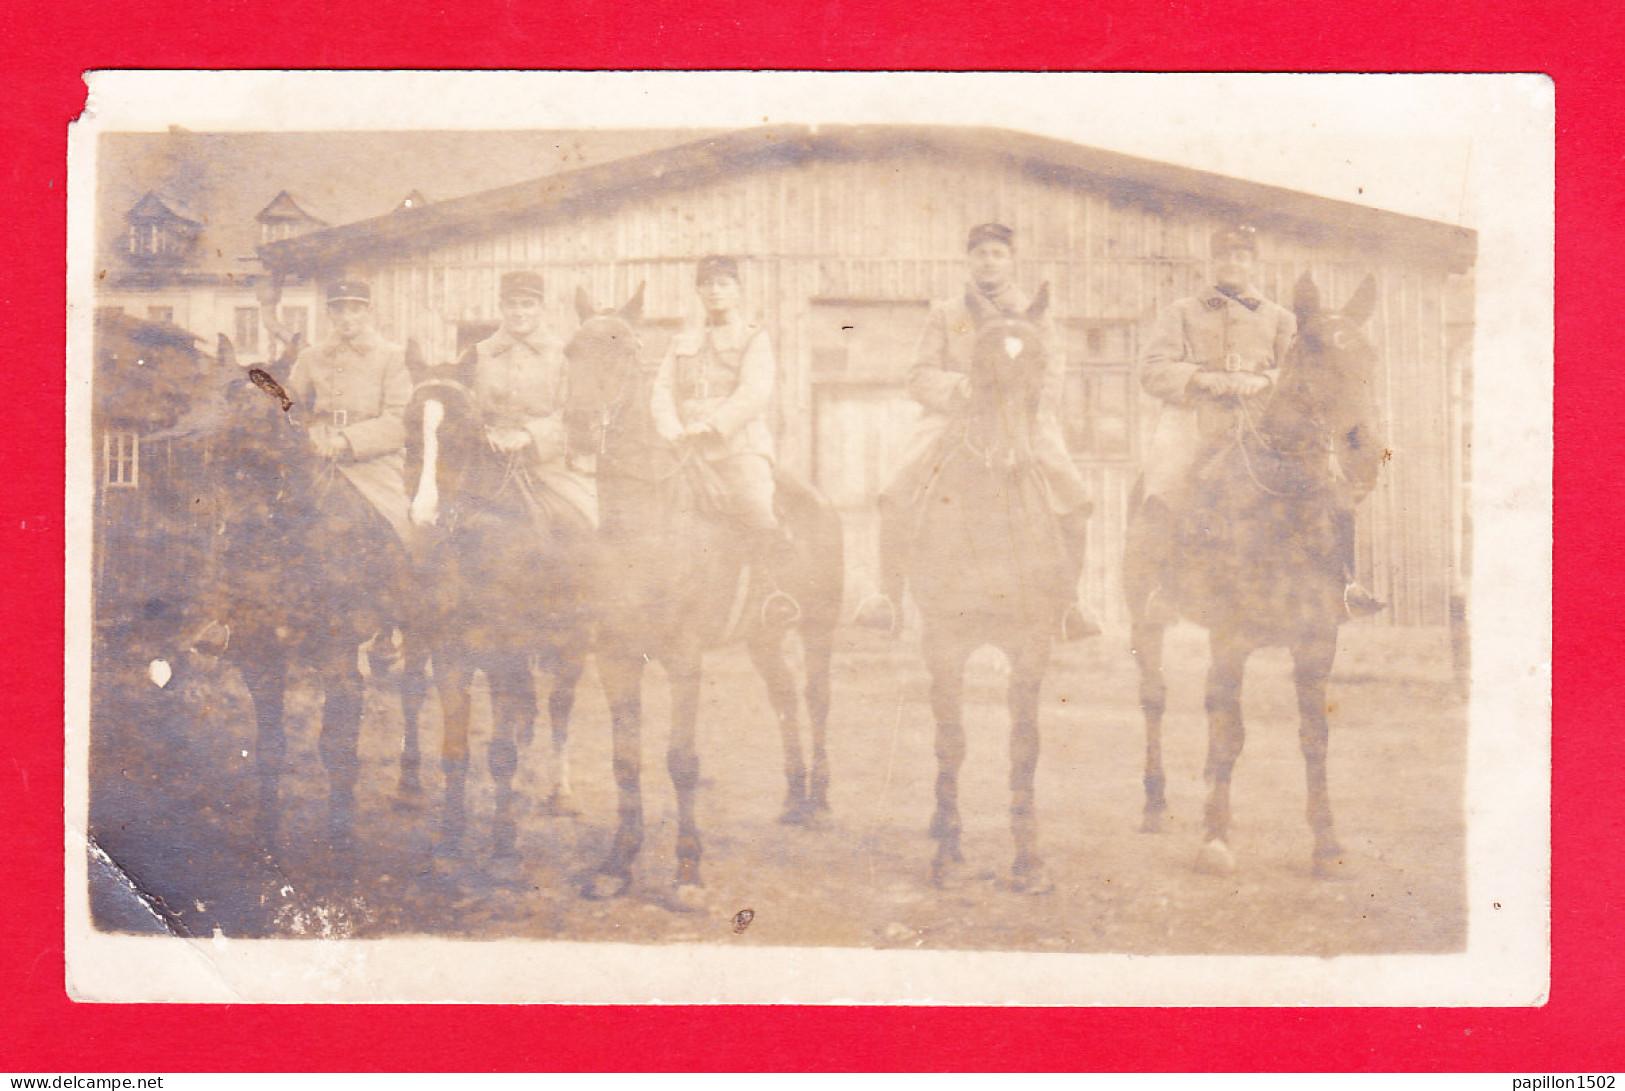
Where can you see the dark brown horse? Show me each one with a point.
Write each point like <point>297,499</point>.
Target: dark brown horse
<point>671,587</point>
<point>501,579</point>
<point>989,567</point>
<point>1261,564</point>
<point>308,571</point>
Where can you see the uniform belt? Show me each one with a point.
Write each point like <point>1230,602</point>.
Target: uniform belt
<point>341,418</point>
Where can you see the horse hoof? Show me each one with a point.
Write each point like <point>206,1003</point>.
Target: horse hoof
<point>1215,858</point>
<point>948,871</point>
<point>450,845</point>
<point>1032,879</point>
<point>602,886</point>
<point>1151,820</point>
<point>688,897</point>
<point>559,805</point>
<point>411,787</point>
<point>504,841</point>
<point>796,813</point>
<point>1329,863</point>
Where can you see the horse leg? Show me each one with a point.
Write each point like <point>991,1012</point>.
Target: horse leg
<point>1225,736</point>
<point>1311,666</point>
<point>452,676</point>
<point>561,702</point>
<point>264,667</point>
<point>1145,645</point>
<point>1146,565</point>
<point>817,643</point>
<point>1028,661</point>
<point>414,691</point>
<point>339,744</point>
<point>622,676</point>
<point>683,762</point>
<point>766,648</point>
<point>513,705</point>
<point>945,659</point>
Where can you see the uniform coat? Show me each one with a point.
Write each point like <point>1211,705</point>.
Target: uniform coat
<point>723,375</point>
<point>1208,332</point>
<point>521,383</point>
<point>940,382</point>
<point>359,389</point>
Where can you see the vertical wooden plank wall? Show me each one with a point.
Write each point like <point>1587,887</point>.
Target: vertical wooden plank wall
<point>894,228</point>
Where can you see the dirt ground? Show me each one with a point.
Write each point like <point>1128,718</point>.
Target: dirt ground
<point>173,791</point>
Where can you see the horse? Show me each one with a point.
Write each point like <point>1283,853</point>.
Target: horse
<point>309,571</point>
<point>1260,562</point>
<point>501,579</point>
<point>988,566</point>
<point>672,585</point>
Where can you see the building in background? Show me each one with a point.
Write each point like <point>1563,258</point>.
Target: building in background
<point>846,233</point>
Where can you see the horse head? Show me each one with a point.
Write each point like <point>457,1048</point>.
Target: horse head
<point>1009,360</point>
<point>1326,399</point>
<point>604,371</point>
<point>444,439</point>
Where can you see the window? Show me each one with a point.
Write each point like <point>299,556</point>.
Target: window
<point>1098,401</point>
<point>161,314</point>
<point>121,459</point>
<point>248,329</point>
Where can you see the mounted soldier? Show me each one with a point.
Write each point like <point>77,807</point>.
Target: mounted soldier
<point>1212,362</point>
<point>353,388</point>
<point>712,395</point>
<point>940,382</point>
<point>518,378</point>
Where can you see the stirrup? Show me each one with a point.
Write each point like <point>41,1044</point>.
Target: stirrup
<point>878,611</point>
<point>780,609</point>
<point>1358,602</point>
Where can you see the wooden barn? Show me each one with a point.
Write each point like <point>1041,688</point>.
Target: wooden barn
<point>845,233</point>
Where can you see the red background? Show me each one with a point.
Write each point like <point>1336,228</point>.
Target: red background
<point>47,45</point>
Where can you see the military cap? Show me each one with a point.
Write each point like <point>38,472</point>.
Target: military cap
<point>715,265</point>
<point>344,290</point>
<point>1236,237</point>
<point>522,282</point>
<point>990,232</point>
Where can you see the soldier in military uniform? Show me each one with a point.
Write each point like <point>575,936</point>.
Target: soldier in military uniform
<point>355,387</point>
<point>940,382</point>
<point>1210,359</point>
<point>518,378</point>
<point>712,393</point>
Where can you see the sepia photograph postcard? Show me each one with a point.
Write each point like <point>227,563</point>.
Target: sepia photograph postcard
<point>863,538</point>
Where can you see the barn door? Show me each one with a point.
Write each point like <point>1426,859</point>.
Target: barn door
<point>861,350</point>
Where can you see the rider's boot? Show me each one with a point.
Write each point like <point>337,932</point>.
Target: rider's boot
<point>1358,602</point>
<point>1079,620</point>
<point>883,610</point>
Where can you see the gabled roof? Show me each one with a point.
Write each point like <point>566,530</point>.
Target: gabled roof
<point>284,206</point>
<point>223,180</point>
<point>155,206</point>
<point>1144,182</point>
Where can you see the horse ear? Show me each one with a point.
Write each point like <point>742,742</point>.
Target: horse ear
<point>584,307</point>
<point>1363,304</point>
<point>1305,299</point>
<point>1040,304</point>
<point>632,311</point>
<point>226,352</point>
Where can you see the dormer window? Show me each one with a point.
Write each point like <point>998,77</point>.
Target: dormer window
<point>284,218</point>
<point>160,229</point>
